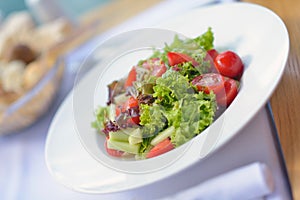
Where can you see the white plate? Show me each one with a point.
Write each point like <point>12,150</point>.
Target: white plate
<point>255,33</point>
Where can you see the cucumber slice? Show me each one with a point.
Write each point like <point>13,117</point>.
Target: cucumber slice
<point>123,134</point>
<point>135,137</point>
<point>123,146</point>
<point>119,136</point>
<point>121,98</point>
<point>112,112</point>
<point>162,135</point>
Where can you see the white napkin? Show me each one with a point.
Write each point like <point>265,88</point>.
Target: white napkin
<point>253,181</point>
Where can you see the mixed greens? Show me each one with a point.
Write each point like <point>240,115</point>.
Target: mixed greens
<point>162,103</point>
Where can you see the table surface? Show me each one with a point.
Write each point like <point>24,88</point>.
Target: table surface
<point>284,99</point>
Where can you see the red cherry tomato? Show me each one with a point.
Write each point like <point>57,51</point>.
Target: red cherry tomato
<point>229,64</point>
<point>176,58</point>
<point>161,148</point>
<point>210,56</point>
<point>113,152</point>
<point>224,88</point>
<point>131,78</point>
<point>156,66</point>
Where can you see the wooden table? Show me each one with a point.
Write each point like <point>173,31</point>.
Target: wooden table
<point>284,101</point>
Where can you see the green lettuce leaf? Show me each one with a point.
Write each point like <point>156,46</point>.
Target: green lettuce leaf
<point>196,113</point>
<point>196,48</point>
<point>189,71</point>
<point>205,40</point>
<point>171,87</point>
<point>190,112</point>
<point>101,114</point>
<point>152,119</point>
<point>145,146</point>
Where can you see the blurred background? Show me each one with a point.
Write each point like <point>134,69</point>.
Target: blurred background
<point>74,9</point>
<point>11,6</point>
<point>35,38</point>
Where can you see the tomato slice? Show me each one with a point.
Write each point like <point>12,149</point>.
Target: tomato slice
<point>113,152</point>
<point>156,66</point>
<point>209,82</point>
<point>159,70</point>
<point>224,88</point>
<point>132,102</point>
<point>130,110</point>
<point>121,108</point>
<point>118,111</point>
<point>231,90</point>
<point>134,120</point>
<point>229,64</point>
<point>176,58</point>
<point>161,148</point>
<point>131,78</point>
<point>213,53</point>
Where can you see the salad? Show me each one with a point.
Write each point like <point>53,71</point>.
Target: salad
<point>168,98</point>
